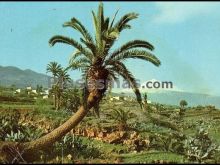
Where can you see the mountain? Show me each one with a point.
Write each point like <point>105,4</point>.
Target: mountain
<point>174,97</point>
<point>193,99</point>
<point>10,75</point>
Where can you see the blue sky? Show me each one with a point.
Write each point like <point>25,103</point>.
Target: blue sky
<point>186,36</point>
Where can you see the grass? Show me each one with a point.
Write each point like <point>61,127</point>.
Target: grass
<point>40,110</point>
<point>106,148</point>
<point>150,156</point>
<point>159,124</point>
<point>15,106</point>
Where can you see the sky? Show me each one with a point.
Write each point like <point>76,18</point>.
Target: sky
<point>186,36</point>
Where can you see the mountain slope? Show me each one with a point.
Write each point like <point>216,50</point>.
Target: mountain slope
<point>10,75</point>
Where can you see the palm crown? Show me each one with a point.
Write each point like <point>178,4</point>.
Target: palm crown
<point>95,53</point>
<point>54,68</point>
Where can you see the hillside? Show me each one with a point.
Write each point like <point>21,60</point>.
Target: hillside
<point>21,78</point>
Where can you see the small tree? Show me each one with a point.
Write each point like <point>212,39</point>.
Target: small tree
<point>145,100</point>
<point>200,147</point>
<point>183,103</point>
<point>71,99</point>
<point>54,68</point>
<point>121,117</point>
<point>39,89</point>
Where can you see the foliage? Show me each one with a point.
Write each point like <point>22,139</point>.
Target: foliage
<point>150,157</point>
<point>93,54</point>
<point>121,117</point>
<point>183,103</point>
<point>200,147</point>
<point>172,142</point>
<point>12,130</point>
<point>71,144</point>
<point>165,122</point>
<point>149,127</point>
<point>18,136</point>
<point>71,100</point>
<point>39,89</point>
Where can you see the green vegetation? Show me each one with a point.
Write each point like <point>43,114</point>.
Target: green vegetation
<point>193,139</point>
<point>59,128</point>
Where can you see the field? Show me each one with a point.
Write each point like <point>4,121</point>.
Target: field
<point>124,133</point>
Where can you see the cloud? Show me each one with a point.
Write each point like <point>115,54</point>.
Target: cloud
<point>177,12</point>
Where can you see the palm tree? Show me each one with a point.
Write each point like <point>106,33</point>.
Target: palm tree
<point>97,61</point>
<point>54,68</point>
<point>121,117</point>
<point>63,79</point>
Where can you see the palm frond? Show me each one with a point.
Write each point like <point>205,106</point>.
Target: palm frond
<point>106,24</point>
<point>94,20</point>
<point>114,18</point>
<point>122,23</point>
<point>80,60</point>
<point>121,69</point>
<point>77,25</point>
<point>76,54</point>
<point>69,41</point>
<point>111,78</point>
<point>131,45</point>
<point>78,64</point>
<point>89,45</point>
<point>54,68</point>
<point>138,54</point>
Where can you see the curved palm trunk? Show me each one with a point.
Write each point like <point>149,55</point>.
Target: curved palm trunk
<point>27,149</point>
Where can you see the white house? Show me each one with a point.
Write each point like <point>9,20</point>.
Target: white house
<point>34,91</point>
<point>18,91</point>
<point>29,88</point>
<point>46,92</point>
<point>45,97</point>
<point>148,101</point>
<point>115,98</point>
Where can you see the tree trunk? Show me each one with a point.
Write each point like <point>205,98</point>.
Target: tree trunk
<point>55,101</point>
<point>55,97</point>
<point>58,102</point>
<point>8,149</point>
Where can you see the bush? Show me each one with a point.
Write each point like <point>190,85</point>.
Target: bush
<point>200,147</point>
<point>12,130</point>
<point>73,145</point>
<point>121,117</point>
<point>71,100</point>
<point>172,142</point>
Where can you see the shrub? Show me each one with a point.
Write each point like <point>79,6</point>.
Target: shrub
<point>200,147</point>
<point>71,144</point>
<point>121,117</point>
<point>12,130</point>
<point>172,142</point>
<point>71,100</point>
